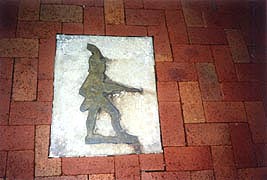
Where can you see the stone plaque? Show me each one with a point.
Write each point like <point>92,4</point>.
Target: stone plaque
<point>105,100</point>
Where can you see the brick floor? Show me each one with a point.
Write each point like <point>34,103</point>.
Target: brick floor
<point>210,80</point>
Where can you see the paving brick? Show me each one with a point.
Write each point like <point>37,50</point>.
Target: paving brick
<point>43,165</point>
<point>61,13</point>
<point>208,81</point>
<point>25,79</point>
<point>79,177</point>
<point>20,165</point>
<point>191,53</point>
<point>144,17</point>
<point>72,28</point>
<point>94,21</point>
<point>224,63</point>
<point>191,102</point>
<point>223,162</point>
<point>193,17</point>
<point>46,58</point>
<point>159,4</point>
<point>151,162</point>
<point>101,177</point>
<point>79,2</point>
<point>176,27</point>
<point>29,10</point>
<point>123,30</point>
<point>167,91</point>
<point>45,90</point>
<point>6,68</point>
<point>206,36</point>
<point>172,130</point>
<point>133,4</point>
<point>252,173</point>
<point>257,121</point>
<point>225,111</point>
<point>217,19</point>
<point>202,175</point>
<point>114,11</point>
<point>92,165</point>
<point>250,72</point>
<point>51,1</point>
<point>16,137</point>
<point>165,175</point>
<point>168,71</point>
<point>30,113</point>
<point>188,158</point>
<point>207,134</point>
<point>242,146</point>
<point>237,46</point>
<point>5,93</point>
<point>261,154</point>
<point>127,167</point>
<point>161,43</point>
<point>34,29</point>
<point>3,160</point>
<point>242,91</point>
<point>18,47</point>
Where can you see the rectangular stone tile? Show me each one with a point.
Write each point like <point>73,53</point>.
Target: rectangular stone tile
<point>6,68</point>
<point>166,175</point>
<point>162,47</point>
<point>224,63</point>
<point>127,167</point>
<point>18,47</point>
<point>16,137</point>
<point>20,165</point>
<point>242,146</point>
<point>79,177</point>
<point>176,27</point>
<point>25,79</point>
<point>61,13</point>
<point>114,11</point>
<point>207,134</point>
<point>191,53</point>
<point>124,30</point>
<point>133,4</point>
<point>159,4</point>
<point>72,28</point>
<point>225,111</point>
<point>144,17</point>
<point>252,173</point>
<point>5,94</point>
<point>191,102</point>
<point>171,122</point>
<point>94,21</point>
<point>223,162</point>
<point>261,154</point>
<point>251,72</point>
<point>202,175</point>
<point>168,92</point>
<point>237,46</point>
<point>9,20</point>
<point>206,36</point>
<point>45,90</point>
<point>151,162</point>
<point>208,81</point>
<point>188,158</point>
<point>101,177</point>
<point>168,71</point>
<point>29,10</point>
<point>3,160</point>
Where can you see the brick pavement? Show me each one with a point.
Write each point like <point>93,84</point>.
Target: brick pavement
<point>210,80</point>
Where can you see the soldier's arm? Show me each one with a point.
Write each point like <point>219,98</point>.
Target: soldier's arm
<point>116,88</point>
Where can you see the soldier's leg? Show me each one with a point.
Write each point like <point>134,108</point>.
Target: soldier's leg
<point>91,119</point>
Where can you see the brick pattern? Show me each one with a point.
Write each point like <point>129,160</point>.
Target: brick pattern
<point>94,21</point>
<point>127,167</point>
<point>114,11</point>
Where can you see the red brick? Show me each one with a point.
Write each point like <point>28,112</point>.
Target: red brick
<point>176,27</point>
<point>45,90</point>
<point>37,29</point>
<point>18,47</point>
<point>252,173</point>
<point>25,79</point>
<point>242,146</point>
<point>99,3</point>
<point>93,165</point>
<point>206,36</point>
<point>6,68</point>
<point>250,72</point>
<point>79,177</point>
<point>134,4</point>
<point>123,30</point>
<point>127,167</point>
<point>5,93</point>
<point>3,160</point>
<point>79,2</point>
<point>29,10</point>
<point>168,71</point>
<point>217,19</point>
<point>114,11</point>
<point>202,175</point>
<point>208,81</point>
<point>51,1</point>
<point>46,58</point>
<point>161,43</point>
<point>261,154</point>
<point>224,63</point>
<point>165,175</point>
<point>151,162</point>
<point>191,102</point>
<point>242,91</point>
<point>168,91</point>
<point>72,28</point>
<point>101,177</point>
<point>144,17</point>
<point>16,137</point>
<point>223,162</point>
<point>225,111</point>
<point>9,20</point>
<point>237,46</point>
<point>193,17</point>
<point>188,158</point>
<point>172,130</point>
<point>191,53</point>
<point>30,113</point>
<point>94,21</point>
<point>257,121</point>
<point>159,4</point>
<point>20,165</point>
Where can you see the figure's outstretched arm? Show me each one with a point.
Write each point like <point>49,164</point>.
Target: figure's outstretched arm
<point>116,88</point>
